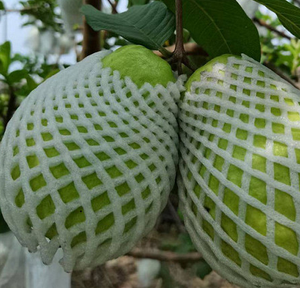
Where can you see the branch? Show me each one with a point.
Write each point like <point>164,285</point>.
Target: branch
<point>278,72</point>
<point>297,74</point>
<point>165,256</point>
<point>190,48</point>
<point>179,55</point>
<point>91,38</point>
<point>176,217</point>
<point>23,9</point>
<point>113,6</point>
<point>271,28</point>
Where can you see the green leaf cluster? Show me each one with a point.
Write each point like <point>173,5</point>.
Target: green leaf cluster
<point>279,51</point>
<point>148,25</point>
<point>220,27</point>
<point>15,76</point>
<point>288,14</point>
<point>41,11</point>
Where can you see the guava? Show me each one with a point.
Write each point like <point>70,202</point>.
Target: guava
<point>88,160</point>
<point>140,64</point>
<point>239,145</point>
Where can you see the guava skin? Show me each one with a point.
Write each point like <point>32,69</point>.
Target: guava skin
<point>196,76</point>
<point>141,65</point>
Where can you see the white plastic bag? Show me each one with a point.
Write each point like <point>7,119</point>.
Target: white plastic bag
<point>21,269</point>
<point>12,262</point>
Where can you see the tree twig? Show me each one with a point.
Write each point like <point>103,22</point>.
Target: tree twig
<point>271,28</point>
<point>23,9</point>
<point>165,256</point>
<point>190,48</point>
<point>113,6</point>
<point>176,218</point>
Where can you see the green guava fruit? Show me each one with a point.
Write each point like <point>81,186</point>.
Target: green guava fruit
<point>88,160</point>
<point>239,170</point>
<point>140,64</point>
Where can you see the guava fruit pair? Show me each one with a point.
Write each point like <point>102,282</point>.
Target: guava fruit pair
<point>90,157</point>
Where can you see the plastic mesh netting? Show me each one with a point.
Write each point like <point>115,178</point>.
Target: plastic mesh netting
<point>87,163</point>
<point>239,186</point>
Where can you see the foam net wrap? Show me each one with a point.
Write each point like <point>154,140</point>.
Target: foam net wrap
<point>239,186</point>
<point>87,163</point>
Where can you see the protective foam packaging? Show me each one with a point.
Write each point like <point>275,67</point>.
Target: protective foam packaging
<point>87,163</point>
<point>239,167</point>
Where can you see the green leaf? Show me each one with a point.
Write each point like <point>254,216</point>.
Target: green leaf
<point>288,14</point>
<point>16,76</point>
<point>186,244</point>
<point>4,58</point>
<point>121,42</point>
<point>137,2</point>
<point>202,269</point>
<point>148,25</point>
<point>41,11</point>
<point>51,73</point>
<point>220,27</point>
<point>2,5</point>
<point>26,89</point>
<point>31,84</point>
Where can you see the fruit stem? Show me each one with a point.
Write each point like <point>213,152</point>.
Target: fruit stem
<point>166,53</point>
<point>179,56</point>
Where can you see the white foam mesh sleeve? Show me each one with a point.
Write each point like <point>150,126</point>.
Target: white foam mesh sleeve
<point>240,141</point>
<point>87,163</point>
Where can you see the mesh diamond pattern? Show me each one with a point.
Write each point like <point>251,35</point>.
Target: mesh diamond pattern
<point>239,186</point>
<point>87,163</point>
